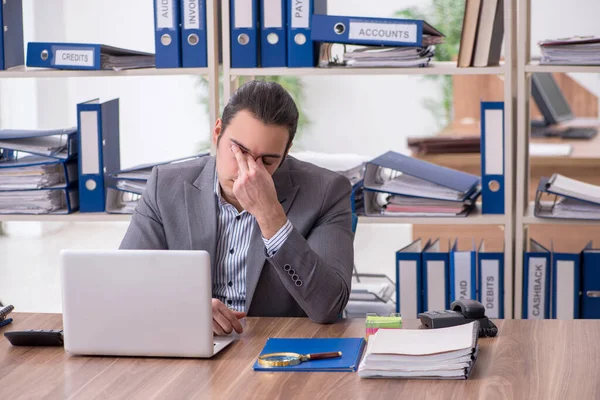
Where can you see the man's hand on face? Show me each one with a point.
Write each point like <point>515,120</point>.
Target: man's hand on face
<point>225,320</point>
<point>255,191</point>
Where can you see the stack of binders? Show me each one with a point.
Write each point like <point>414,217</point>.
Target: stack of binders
<point>273,33</point>
<point>482,33</point>
<point>431,275</point>
<point>560,283</point>
<point>560,197</point>
<point>38,171</point>
<point>398,185</point>
<point>375,42</point>
<point>129,184</point>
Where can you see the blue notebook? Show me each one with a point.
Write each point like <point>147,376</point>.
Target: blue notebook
<point>351,349</point>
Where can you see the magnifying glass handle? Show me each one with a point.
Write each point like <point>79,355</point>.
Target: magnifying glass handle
<point>320,356</point>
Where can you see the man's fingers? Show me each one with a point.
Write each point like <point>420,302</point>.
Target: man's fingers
<point>217,329</point>
<point>233,320</point>
<point>223,321</point>
<point>239,314</point>
<point>241,160</point>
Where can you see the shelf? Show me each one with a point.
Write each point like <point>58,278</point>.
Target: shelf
<point>535,66</point>
<point>24,72</point>
<point>475,218</point>
<point>74,217</point>
<point>436,68</point>
<point>530,219</point>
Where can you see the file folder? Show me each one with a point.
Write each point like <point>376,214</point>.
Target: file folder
<point>301,50</point>
<point>273,33</point>
<point>408,280</point>
<point>566,282</point>
<point>374,31</point>
<point>11,37</point>
<point>436,278</point>
<point>536,282</point>
<point>40,201</point>
<point>99,151</point>
<point>399,174</point>
<point>492,157</point>
<point>85,56</point>
<point>167,33</point>
<point>351,348</point>
<point>37,172</point>
<point>193,34</point>
<point>490,266</point>
<point>244,35</point>
<point>576,202</point>
<point>55,143</point>
<point>120,201</point>
<point>463,284</point>
<point>590,303</point>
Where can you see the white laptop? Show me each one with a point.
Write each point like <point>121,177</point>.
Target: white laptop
<point>138,303</point>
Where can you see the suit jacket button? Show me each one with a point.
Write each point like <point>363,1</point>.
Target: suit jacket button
<point>291,272</point>
<point>295,277</point>
<point>287,267</point>
<point>298,283</point>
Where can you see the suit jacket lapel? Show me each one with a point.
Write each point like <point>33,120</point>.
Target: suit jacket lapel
<point>201,208</point>
<point>286,193</point>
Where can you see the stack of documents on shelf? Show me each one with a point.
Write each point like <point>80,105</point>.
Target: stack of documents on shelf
<point>373,56</point>
<point>123,197</point>
<point>38,172</point>
<point>56,143</point>
<point>334,54</point>
<point>563,197</point>
<point>446,353</point>
<point>352,166</point>
<point>85,56</point>
<point>398,185</point>
<point>571,51</point>
<point>374,42</point>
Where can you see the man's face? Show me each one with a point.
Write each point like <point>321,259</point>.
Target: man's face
<point>260,141</point>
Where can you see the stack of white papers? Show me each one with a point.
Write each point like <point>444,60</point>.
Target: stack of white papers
<point>377,56</point>
<point>571,51</point>
<point>33,201</point>
<point>446,353</point>
<point>563,197</point>
<point>119,59</point>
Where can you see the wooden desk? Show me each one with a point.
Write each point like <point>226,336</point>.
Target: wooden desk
<point>528,360</point>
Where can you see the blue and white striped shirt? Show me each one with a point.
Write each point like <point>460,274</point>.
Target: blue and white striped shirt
<point>234,231</point>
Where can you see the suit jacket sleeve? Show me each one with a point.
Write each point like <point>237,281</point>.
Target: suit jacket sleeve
<point>323,261</point>
<point>146,230</point>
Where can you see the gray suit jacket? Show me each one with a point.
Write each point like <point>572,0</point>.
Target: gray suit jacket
<point>178,211</point>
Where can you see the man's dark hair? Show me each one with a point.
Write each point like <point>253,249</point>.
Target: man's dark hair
<point>268,102</point>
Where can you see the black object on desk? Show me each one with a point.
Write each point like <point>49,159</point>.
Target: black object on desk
<point>462,312</point>
<point>51,337</point>
<point>584,133</point>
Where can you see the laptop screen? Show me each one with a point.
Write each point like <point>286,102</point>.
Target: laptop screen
<point>549,98</point>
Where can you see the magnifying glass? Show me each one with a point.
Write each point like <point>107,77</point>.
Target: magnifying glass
<point>286,359</point>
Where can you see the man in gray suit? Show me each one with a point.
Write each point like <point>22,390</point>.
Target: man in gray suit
<point>278,230</point>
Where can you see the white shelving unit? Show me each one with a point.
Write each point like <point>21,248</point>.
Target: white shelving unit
<point>524,215</point>
<point>507,69</point>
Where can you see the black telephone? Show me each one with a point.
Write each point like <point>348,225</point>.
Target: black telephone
<point>462,312</point>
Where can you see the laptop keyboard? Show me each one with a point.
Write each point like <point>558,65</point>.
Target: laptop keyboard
<point>569,133</point>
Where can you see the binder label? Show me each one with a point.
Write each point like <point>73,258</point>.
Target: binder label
<point>462,275</point>
<point>565,289</point>
<point>300,13</point>
<point>490,290</point>
<point>164,14</point>
<point>436,285</point>
<point>191,14</point>
<point>242,10</point>
<point>272,10</point>
<point>407,275</point>
<point>383,32</point>
<point>536,296</point>
<point>79,58</point>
